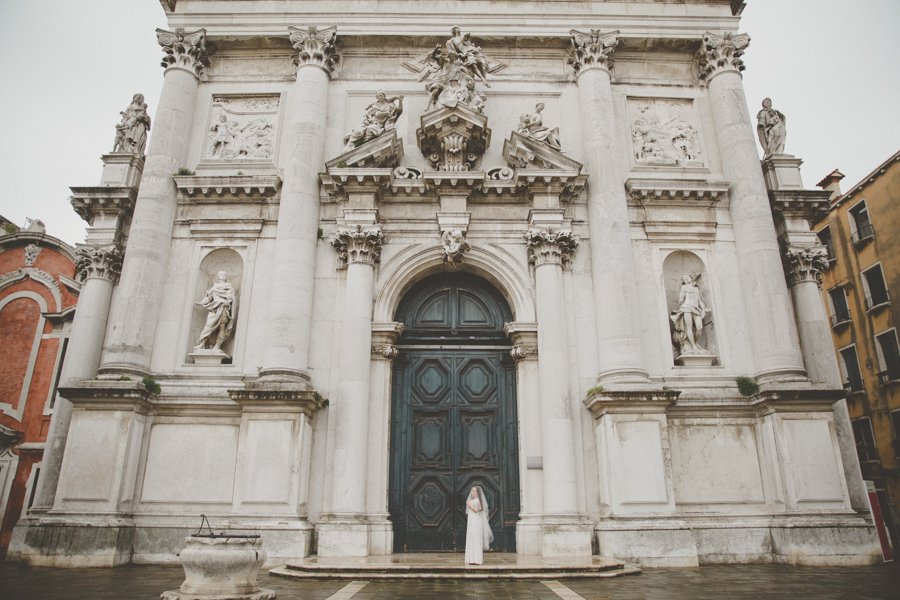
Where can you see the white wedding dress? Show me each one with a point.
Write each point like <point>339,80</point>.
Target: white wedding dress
<point>478,530</point>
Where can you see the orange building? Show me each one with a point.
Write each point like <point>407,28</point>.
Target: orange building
<point>37,302</point>
<point>862,293</point>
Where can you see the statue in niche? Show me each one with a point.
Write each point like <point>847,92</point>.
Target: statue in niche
<point>688,317</point>
<point>771,129</point>
<point>531,125</point>
<point>219,301</point>
<point>455,244</point>
<point>381,117</point>
<point>131,132</point>
<point>453,71</point>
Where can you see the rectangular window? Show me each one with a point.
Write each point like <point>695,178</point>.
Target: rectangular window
<point>860,224</point>
<point>876,290</point>
<point>888,356</point>
<point>865,439</point>
<point>852,373</point>
<point>60,359</point>
<point>840,312</point>
<point>895,421</point>
<point>825,239</point>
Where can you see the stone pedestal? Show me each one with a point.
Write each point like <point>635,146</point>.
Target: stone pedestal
<point>695,360</point>
<point>208,356</point>
<point>221,568</point>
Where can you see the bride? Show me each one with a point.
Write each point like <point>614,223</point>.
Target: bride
<point>478,529</point>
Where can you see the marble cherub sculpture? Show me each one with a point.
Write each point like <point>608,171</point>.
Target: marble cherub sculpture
<point>455,244</point>
<point>531,125</point>
<point>453,70</point>
<point>771,129</point>
<point>688,317</point>
<point>219,302</point>
<point>131,132</point>
<point>381,116</point>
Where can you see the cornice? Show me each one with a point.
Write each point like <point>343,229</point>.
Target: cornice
<point>22,238</point>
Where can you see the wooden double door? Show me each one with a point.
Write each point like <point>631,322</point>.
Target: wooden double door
<point>454,421</point>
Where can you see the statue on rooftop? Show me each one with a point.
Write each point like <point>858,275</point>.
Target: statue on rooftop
<point>531,125</point>
<point>453,70</point>
<point>381,116</point>
<point>771,129</point>
<point>131,132</point>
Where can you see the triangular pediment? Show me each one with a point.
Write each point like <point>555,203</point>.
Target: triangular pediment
<point>383,152</point>
<point>521,152</point>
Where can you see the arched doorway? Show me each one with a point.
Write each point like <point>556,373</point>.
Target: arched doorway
<point>453,415</point>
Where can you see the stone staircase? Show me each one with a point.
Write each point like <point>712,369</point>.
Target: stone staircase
<point>497,566</point>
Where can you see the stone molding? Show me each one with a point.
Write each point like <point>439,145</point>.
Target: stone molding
<point>550,247</point>
<point>805,263</point>
<point>358,245</point>
<point>8,439</point>
<point>92,202</point>
<point>36,274</point>
<point>384,151</point>
<point>604,402</point>
<point>32,251</point>
<point>522,152</point>
<point>315,47</point>
<point>676,191</point>
<point>184,50</point>
<point>592,50</point>
<point>104,262</point>
<point>811,205</point>
<point>252,186</point>
<point>108,395</point>
<point>722,53</point>
<point>259,398</point>
<point>453,139</point>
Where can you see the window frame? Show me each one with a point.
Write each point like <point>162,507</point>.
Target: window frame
<point>882,361</point>
<point>835,322</point>
<point>869,301</point>
<point>832,251</point>
<point>845,372</point>
<point>871,431</point>
<point>856,237</point>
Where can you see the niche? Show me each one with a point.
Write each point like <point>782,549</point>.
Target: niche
<point>688,348</point>
<point>229,261</point>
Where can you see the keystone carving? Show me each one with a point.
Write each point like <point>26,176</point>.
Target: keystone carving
<point>315,47</point>
<point>358,245</point>
<point>550,247</point>
<point>804,264</point>
<point>31,254</point>
<point>592,49</point>
<point>184,50</point>
<point>722,53</point>
<point>455,245</point>
<point>96,261</point>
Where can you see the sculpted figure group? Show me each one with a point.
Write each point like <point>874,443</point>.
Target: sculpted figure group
<point>453,71</point>
<point>381,117</point>
<point>131,132</point>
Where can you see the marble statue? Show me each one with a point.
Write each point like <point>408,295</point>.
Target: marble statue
<point>221,136</point>
<point>771,129</point>
<point>455,244</point>
<point>34,226</point>
<point>381,116</point>
<point>131,132</point>
<point>219,301</point>
<point>452,72</point>
<point>532,125</point>
<point>688,317</point>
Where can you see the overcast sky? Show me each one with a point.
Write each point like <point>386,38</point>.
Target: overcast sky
<point>68,67</point>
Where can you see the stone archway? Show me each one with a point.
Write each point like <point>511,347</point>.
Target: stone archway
<point>453,415</point>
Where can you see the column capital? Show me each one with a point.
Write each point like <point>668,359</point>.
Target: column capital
<point>358,245</point>
<point>804,263</point>
<point>315,47</point>
<point>104,262</point>
<point>184,50</point>
<point>722,52</point>
<point>592,50</point>
<point>550,247</point>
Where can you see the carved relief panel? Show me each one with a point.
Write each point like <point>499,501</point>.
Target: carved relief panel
<point>241,128</point>
<point>664,133</point>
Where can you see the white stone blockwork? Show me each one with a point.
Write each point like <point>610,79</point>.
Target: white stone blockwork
<point>575,223</point>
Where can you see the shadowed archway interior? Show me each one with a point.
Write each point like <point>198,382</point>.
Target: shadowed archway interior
<point>453,422</point>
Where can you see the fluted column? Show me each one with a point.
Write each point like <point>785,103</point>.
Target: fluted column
<point>612,258</point>
<point>136,310</point>
<point>346,534</point>
<point>98,269</point>
<point>773,333</point>
<point>548,251</point>
<point>291,297</point>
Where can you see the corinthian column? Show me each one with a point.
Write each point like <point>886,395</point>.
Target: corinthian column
<point>136,309</point>
<point>346,532</point>
<point>563,534</point>
<point>98,268</point>
<point>291,298</point>
<point>612,258</point>
<point>773,332</point>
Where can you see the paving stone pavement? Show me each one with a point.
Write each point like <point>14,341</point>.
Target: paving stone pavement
<point>715,582</point>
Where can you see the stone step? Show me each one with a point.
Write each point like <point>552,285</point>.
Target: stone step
<point>472,575</point>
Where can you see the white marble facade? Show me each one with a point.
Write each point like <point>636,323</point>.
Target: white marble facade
<point>623,450</point>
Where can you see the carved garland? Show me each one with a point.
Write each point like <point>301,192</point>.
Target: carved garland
<point>805,264</point>
<point>358,246</point>
<point>722,53</point>
<point>94,261</point>
<point>592,49</point>
<point>183,50</point>
<point>550,247</point>
<point>315,47</point>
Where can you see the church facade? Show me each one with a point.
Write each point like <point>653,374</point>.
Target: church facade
<point>377,254</point>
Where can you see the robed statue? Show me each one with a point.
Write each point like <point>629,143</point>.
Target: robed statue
<point>219,302</point>
<point>771,129</point>
<point>131,132</point>
<point>688,317</point>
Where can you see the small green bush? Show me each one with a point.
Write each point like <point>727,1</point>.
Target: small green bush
<point>10,228</point>
<point>124,378</point>
<point>151,385</point>
<point>596,390</point>
<point>184,171</point>
<point>343,165</point>
<point>320,235</point>
<point>240,172</point>
<point>747,386</point>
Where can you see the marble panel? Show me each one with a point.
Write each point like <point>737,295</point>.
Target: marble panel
<point>90,458</point>
<point>812,461</point>
<point>267,470</point>
<point>642,476</point>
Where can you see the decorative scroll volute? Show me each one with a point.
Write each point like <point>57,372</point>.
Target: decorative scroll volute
<point>550,247</point>
<point>315,47</point>
<point>358,245</point>
<point>592,50</point>
<point>804,264</point>
<point>96,261</point>
<point>721,53</point>
<point>184,50</point>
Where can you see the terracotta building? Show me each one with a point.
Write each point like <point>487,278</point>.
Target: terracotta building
<point>37,303</point>
<point>862,279</point>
